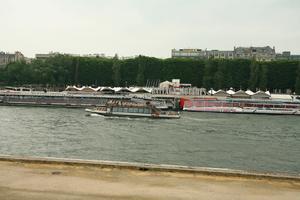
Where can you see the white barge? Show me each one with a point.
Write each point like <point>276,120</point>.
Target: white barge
<point>133,109</point>
<point>246,106</point>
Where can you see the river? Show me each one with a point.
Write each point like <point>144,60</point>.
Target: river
<point>260,143</point>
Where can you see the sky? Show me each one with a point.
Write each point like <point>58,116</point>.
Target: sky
<point>146,27</point>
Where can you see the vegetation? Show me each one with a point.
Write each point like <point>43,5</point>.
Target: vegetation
<point>64,70</point>
<point>297,85</point>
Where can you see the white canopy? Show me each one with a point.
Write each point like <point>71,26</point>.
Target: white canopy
<point>120,89</point>
<point>212,91</point>
<point>249,92</point>
<point>139,90</point>
<point>230,91</point>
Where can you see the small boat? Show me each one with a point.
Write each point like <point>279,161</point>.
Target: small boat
<point>120,108</point>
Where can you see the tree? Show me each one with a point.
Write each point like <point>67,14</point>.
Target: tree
<point>297,85</point>
<point>140,78</point>
<point>254,75</point>
<point>237,73</point>
<point>116,71</point>
<point>210,68</point>
<point>263,77</point>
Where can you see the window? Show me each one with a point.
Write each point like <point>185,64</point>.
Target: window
<point>125,109</point>
<point>131,110</point>
<point>141,110</point>
<point>136,110</point>
<point>147,111</point>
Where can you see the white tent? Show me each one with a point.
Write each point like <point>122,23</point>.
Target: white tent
<point>71,88</point>
<point>212,92</point>
<point>221,93</point>
<point>230,91</point>
<point>87,89</point>
<point>121,90</point>
<point>106,89</point>
<point>260,95</point>
<point>249,92</point>
<point>139,90</point>
<point>240,94</point>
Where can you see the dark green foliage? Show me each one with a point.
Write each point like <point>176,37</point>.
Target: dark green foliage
<point>263,77</point>
<point>64,70</point>
<point>255,76</point>
<point>116,71</point>
<point>140,79</point>
<point>297,85</point>
<point>210,68</point>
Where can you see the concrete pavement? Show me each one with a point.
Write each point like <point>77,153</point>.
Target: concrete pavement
<point>29,180</point>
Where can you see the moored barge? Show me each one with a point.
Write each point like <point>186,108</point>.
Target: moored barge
<point>247,106</point>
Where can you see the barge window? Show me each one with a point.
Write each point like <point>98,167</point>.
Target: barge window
<point>136,110</point>
<point>141,110</point>
<point>131,110</point>
<point>147,111</point>
<point>115,109</point>
<point>125,110</point>
<point>120,109</point>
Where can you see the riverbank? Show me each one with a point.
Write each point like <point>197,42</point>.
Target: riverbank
<point>44,178</point>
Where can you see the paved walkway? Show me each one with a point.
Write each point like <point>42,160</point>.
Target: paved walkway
<point>33,181</point>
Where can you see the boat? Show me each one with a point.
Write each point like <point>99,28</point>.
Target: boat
<point>246,106</point>
<point>124,108</point>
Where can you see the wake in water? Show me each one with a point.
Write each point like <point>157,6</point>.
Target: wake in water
<point>94,115</point>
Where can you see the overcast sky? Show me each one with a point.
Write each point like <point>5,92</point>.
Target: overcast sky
<point>147,27</point>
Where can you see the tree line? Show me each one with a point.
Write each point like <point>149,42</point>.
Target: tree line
<point>64,70</point>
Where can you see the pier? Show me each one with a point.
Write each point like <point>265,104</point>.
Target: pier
<point>52,178</point>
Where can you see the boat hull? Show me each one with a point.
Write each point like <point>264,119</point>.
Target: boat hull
<point>242,111</point>
<point>133,115</point>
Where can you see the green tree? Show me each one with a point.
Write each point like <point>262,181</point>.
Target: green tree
<point>116,71</point>
<point>254,75</point>
<point>219,76</point>
<point>297,85</point>
<point>210,68</point>
<point>140,78</point>
<point>237,73</point>
<point>263,77</point>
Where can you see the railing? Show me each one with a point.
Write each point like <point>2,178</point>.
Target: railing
<point>58,94</point>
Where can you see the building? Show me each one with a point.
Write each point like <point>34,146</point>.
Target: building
<point>95,55</point>
<point>188,53</point>
<point>258,53</point>
<point>6,58</point>
<point>219,54</point>
<point>53,54</point>
<point>44,56</point>
<point>286,55</point>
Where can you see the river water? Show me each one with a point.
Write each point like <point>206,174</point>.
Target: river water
<point>248,142</point>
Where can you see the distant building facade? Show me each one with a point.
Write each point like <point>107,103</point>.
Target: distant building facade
<point>286,55</point>
<point>6,58</point>
<point>94,55</point>
<point>257,53</point>
<point>44,56</point>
